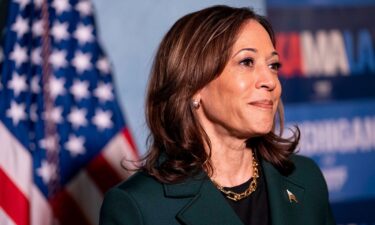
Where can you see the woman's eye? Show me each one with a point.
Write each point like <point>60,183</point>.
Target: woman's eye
<point>275,66</point>
<point>247,62</point>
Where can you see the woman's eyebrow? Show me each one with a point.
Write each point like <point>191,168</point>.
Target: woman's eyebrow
<point>245,49</point>
<point>274,53</point>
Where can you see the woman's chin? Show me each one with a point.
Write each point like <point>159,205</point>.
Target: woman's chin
<point>260,131</point>
<point>254,133</point>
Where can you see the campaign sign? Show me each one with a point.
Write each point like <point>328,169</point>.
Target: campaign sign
<point>327,50</point>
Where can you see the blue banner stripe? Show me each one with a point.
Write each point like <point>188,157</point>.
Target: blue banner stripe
<point>304,3</point>
<point>360,211</point>
<point>334,89</point>
<point>320,18</point>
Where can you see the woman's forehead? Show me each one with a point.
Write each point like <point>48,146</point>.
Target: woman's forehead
<point>254,36</point>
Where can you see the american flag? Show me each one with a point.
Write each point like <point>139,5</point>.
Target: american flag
<point>63,138</point>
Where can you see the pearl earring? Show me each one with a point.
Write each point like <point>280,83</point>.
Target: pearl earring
<point>195,103</point>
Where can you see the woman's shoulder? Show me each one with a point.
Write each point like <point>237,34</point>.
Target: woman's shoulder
<point>139,183</point>
<point>126,201</point>
<point>307,170</point>
<point>305,162</point>
<point>139,187</point>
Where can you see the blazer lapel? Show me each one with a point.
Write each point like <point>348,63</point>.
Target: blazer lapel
<point>207,205</point>
<point>285,197</point>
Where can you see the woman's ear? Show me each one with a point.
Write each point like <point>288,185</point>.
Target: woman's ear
<point>195,101</point>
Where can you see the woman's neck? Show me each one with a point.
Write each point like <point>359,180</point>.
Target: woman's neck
<point>231,161</point>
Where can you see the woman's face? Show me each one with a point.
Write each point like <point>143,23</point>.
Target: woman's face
<point>243,100</point>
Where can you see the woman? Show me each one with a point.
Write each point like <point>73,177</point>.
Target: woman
<point>214,157</point>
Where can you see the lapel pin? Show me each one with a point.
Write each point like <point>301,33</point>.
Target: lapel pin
<point>291,196</point>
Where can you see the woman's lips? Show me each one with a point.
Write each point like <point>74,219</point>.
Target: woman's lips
<point>265,104</point>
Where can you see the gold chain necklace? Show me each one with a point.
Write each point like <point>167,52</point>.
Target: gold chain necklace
<point>252,187</point>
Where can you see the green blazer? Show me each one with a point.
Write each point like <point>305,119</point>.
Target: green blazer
<point>141,200</point>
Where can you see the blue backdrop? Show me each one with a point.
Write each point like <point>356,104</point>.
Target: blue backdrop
<point>328,77</point>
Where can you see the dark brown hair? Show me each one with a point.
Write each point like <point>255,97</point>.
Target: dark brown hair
<point>192,54</point>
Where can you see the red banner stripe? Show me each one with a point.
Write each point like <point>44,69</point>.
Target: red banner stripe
<point>13,201</point>
<point>129,139</point>
<point>102,173</point>
<point>66,210</point>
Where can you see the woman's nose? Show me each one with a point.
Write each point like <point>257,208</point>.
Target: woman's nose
<point>266,79</point>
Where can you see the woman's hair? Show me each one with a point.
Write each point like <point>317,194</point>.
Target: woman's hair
<point>192,54</point>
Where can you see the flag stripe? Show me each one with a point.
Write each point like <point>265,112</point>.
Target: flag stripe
<point>66,210</point>
<point>41,212</point>
<point>15,160</point>
<point>98,170</point>
<point>119,153</point>
<point>13,201</point>
<point>87,196</point>
<point>4,219</point>
<point>130,141</point>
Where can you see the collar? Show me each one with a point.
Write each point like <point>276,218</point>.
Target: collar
<point>188,188</point>
<point>206,204</point>
<point>284,211</point>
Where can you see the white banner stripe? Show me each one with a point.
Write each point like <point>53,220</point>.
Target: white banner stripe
<point>84,191</point>
<point>15,160</point>
<point>4,218</point>
<point>41,212</point>
<point>118,152</point>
